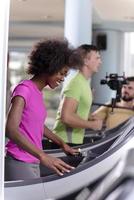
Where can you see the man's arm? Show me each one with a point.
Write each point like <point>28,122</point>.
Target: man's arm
<point>70,117</point>
<point>101,113</point>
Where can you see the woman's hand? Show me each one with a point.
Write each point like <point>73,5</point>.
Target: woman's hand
<point>69,150</point>
<point>56,164</point>
<point>56,139</point>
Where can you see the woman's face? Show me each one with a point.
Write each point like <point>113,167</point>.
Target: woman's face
<point>56,79</point>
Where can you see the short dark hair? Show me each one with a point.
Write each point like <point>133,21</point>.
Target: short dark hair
<point>130,78</point>
<point>49,57</point>
<point>84,49</point>
<point>87,48</point>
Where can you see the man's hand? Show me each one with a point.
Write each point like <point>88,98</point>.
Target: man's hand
<point>93,117</point>
<point>56,164</point>
<point>96,122</point>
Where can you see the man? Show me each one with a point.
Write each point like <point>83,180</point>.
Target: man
<point>124,109</point>
<point>74,108</point>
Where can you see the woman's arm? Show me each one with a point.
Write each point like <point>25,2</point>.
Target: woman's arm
<point>12,127</point>
<point>12,132</point>
<point>66,148</point>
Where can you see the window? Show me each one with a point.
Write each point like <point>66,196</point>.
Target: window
<point>129,54</point>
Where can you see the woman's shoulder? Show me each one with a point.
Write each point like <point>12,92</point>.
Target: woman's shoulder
<point>23,85</point>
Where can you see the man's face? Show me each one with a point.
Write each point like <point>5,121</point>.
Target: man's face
<point>93,61</point>
<point>127,92</point>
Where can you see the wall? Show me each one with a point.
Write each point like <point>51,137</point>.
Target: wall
<point>112,60</point>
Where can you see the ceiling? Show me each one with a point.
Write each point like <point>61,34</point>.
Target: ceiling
<point>31,20</point>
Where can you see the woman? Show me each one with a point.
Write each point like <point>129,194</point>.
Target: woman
<point>49,62</point>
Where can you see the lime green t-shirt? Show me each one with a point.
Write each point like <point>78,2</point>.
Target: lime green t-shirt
<point>79,89</point>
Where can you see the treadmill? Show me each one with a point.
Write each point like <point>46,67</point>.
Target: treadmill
<point>90,165</point>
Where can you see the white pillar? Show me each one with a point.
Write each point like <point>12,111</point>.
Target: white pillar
<point>78,21</point>
<point>4,21</point>
<point>78,25</point>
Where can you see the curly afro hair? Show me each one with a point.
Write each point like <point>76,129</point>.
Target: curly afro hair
<point>50,56</point>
